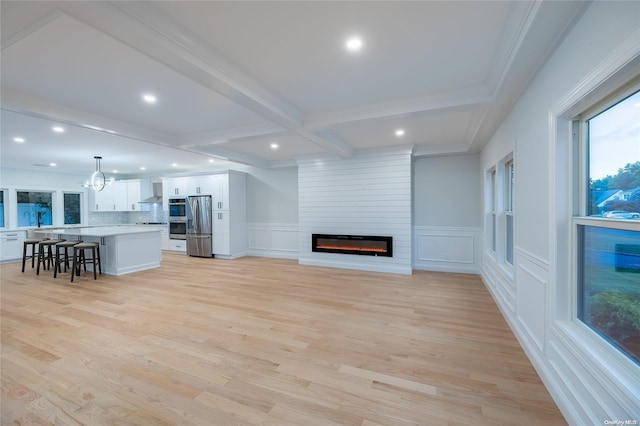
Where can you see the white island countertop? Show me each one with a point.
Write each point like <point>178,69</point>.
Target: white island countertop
<point>124,249</point>
<point>96,231</point>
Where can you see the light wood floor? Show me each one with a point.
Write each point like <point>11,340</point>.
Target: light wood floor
<point>261,341</point>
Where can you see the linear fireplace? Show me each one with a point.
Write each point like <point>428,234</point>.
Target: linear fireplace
<point>352,244</point>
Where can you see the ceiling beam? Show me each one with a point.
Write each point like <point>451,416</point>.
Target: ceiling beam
<point>148,29</point>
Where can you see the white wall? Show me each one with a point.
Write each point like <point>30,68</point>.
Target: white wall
<point>588,387</point>
<point>272,195</point>
<point>446,213</point>
<point>14,180</point>
<point>369,194</point>
<point>447,191</point>
<point>272,212</point>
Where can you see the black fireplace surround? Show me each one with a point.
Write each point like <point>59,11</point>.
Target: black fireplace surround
<point>353,244</point>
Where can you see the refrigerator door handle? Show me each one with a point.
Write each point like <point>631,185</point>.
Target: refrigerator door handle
<point>199,236</point>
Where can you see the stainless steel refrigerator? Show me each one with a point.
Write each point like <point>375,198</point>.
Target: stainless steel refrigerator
<point>199,226</point>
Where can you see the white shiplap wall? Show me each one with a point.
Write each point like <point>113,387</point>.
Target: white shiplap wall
<point>369,194</point>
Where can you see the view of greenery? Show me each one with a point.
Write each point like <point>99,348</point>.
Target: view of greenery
<point>610,286</point>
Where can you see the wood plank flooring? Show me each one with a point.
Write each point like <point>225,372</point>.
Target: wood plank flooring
<point>258,341</point>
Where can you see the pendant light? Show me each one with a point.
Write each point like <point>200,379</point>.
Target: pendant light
<point>97,178</point>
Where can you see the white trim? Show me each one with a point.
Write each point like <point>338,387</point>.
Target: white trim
<point>580,402</point>
<point>469,237</point>
<point>262,238</point>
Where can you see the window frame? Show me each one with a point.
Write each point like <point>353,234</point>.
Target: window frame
<point>4,204</point>
<point>53,212</point>
<point>580,212</point>
<point>80,195</point>
<point>497,213</point>
<point>508,208</point>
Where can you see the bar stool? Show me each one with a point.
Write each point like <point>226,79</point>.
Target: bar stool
<point>45,254</point>
<point>80,258</point>
<point>62,256</point>
<point>31,242</point>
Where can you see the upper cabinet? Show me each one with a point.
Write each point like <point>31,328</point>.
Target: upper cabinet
<point>202,185</point>
<point>216,185</point>
<point>119,196</point>
<point>176,187</point>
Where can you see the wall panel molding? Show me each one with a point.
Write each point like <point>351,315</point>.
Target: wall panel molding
<point>279,240</point>
<point>447,249</point>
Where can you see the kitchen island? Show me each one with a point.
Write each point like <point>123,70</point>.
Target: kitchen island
<point>123,249</point>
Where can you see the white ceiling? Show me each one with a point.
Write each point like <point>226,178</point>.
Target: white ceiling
<point>232,78</point>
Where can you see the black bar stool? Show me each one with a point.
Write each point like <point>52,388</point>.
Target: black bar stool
<point>80,258</point>
<point>62,256</point>
<point>31,242</point>
<point>46,256</point>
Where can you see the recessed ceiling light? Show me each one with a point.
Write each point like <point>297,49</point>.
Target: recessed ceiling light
<point>58,129</point>
<point>174,165</point>
<point>18,139</point>
<point>52,164</point>
<point>211,160</point>
<point>114,171</point>
<point>354,44</point>
<point>400,132</point>
<point>143,168</point>
<point>274,146</point>
<point>149,98</point>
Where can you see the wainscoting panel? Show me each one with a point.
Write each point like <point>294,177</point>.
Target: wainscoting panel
<point>449,249</point>
<point>273,240</point>
<point>532,282</point>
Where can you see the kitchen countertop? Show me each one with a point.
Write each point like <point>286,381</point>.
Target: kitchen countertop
<point>96,231</point>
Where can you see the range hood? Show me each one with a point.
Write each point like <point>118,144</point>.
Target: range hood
<point>157,194</point>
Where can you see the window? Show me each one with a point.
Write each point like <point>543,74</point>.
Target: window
<point>607,228</point>
<point>2,209</point>
<point>34,208</point>
<point>72,208</point>
<point>508,210</point>
<point>494,210</point>
<point>500,200</point>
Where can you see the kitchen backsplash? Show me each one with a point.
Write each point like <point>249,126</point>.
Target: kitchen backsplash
<point>155,214</point>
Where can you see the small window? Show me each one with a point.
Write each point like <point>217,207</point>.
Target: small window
<point>508,210</point>
<point>494,210</point>
<point>72,209</point>
<point>35,208</point>
<point>2,209</point>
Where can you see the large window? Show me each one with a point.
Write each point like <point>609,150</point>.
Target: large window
<point>35,208</point>
<point>72,209</point>
<point>608,227</point>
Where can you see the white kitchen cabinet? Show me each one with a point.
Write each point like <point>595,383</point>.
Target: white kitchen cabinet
<point>11,245</point>
<point>120,201</point>
<point>133,195</point>
<point>230,216</point>
<point>221,236</point>
<point>220,192</point>
<point>201,185</point>
<point>177,187</point>
<point>178,245</point>
<point>119,196</point>
<point>103,200</point>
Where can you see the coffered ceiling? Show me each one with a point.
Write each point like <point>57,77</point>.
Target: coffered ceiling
<point>233,78</point>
